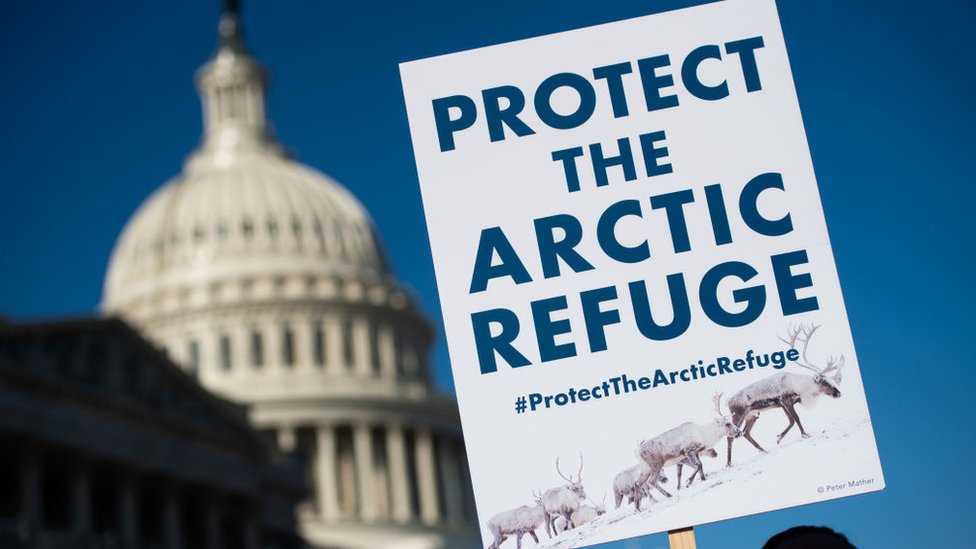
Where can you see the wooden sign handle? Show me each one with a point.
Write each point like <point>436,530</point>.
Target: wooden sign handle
<point>683,538</point>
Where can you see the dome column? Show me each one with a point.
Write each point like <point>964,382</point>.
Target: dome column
<point>387,351</point>
<point>211,521</point>
<point>397,468</point>
<point>360,343</point>
<point>325,473</point>
<point>251,528</point>
<point>240,351</point>
<point>334,362</point>
<point>30,485</point>
<point>128,509</point>
<point>81,498</point>
<point>363,449</point>
<point>427,477</point>
<point>172,516</point>
<point>302,345</point>
<point>271,332</point>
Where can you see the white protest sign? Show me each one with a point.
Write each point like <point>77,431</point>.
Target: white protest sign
<point>625,223</point>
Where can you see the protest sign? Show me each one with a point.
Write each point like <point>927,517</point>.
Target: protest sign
<point>633,265</point>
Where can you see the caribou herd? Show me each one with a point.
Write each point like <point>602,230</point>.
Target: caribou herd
<point>566,507</point>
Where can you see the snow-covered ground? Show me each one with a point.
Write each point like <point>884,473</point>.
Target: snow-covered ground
<point>755,483</point>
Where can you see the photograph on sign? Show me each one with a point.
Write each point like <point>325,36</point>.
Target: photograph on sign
<point>644,319</point>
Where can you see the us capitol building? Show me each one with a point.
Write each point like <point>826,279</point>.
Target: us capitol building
<point>264,280</point>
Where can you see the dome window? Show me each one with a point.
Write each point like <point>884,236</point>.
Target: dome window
<point>374,348</point>
<point>247,228</point>
<point>287,346</point>
<point>318,343</point>
<point>398,350</point>
<point>222,230</point>
<point>257,349</point>
<point>198,234</point>
<point>319,233</point>
<point>225,352</point>
<point>193,358</point>
<point>272,228</point>
<point>348,356</point>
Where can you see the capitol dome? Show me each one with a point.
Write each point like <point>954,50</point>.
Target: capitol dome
<point>241,208</point>
<point>266,280</point>
<point>243,218</point>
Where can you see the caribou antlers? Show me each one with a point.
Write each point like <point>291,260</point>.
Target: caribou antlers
<point>579,474</point>
<point>834,364</point>
<point>803,334</point>
<point>717,401</point>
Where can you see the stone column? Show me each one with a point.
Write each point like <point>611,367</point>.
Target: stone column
<point>301,329</point>
<point>326,492</point>
<point>451,473</point>
<point>427,477</point>
<point>251,527</point>
<point>240,352</point>
<point>129,510</point>
<point>361,347</point>
<point>333,344</point>
<point>363,450</point>
<point>30,488</point>
<point>212,532</point>
<point>172,516</point>
<point>81,498</point>
<point>396,460</point>
<point>210,367</point>
<point>387,351</point>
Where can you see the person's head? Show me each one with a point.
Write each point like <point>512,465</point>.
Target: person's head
<point>809,537</point>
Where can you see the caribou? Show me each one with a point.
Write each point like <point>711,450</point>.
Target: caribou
<point>624,485</point>
<point>563,500</point>
<point>682,445</point>
<point>587,512</point>
<point>517,522</point>
<point>784,390</point>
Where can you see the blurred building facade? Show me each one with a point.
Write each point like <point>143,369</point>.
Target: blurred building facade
<point>266,281</point>
<point>107,444</point>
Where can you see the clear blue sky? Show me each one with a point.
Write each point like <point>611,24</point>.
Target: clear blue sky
<point>97,108</point>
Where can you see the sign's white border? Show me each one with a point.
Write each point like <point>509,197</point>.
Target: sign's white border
<point>503,185</point>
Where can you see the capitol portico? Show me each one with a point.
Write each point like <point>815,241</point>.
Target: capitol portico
<point>266,280</point>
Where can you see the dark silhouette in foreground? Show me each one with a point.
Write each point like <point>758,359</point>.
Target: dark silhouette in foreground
<point>809,537</point>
